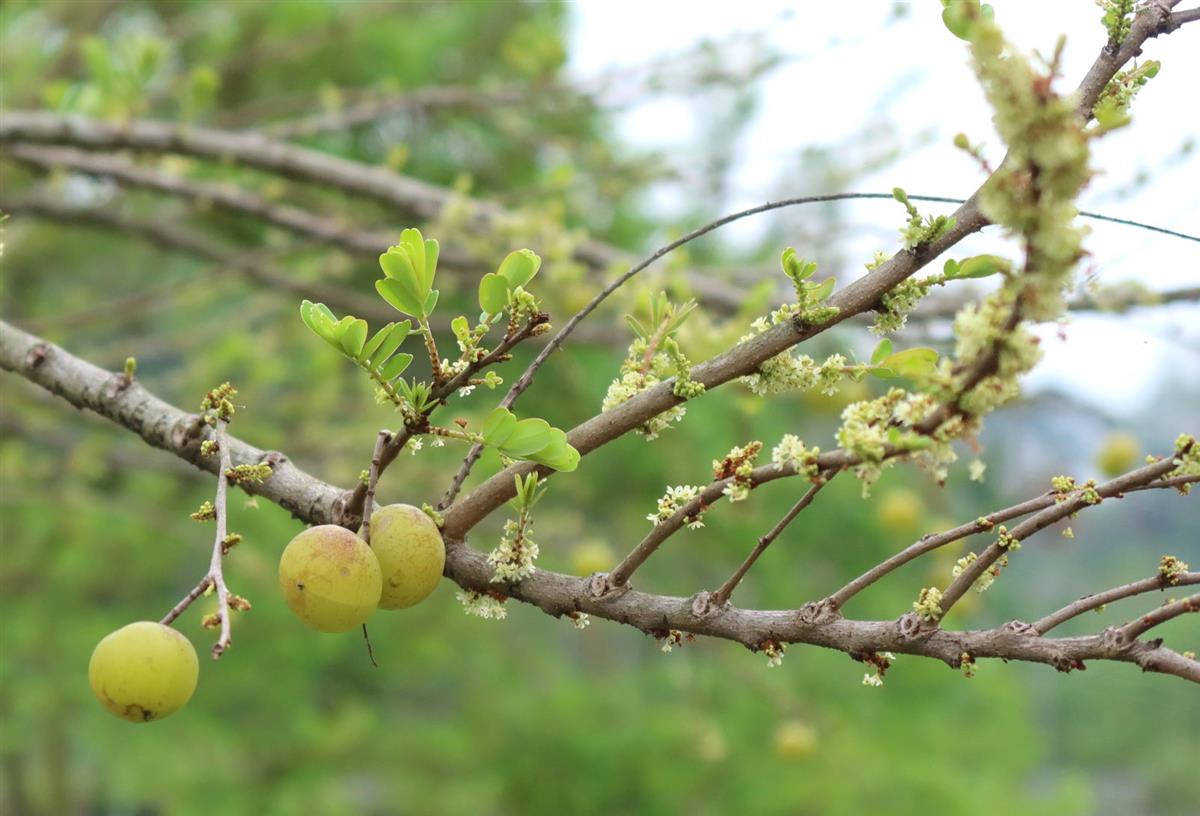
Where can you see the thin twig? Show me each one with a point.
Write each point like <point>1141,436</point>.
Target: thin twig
<point>1089,602</point>
<point>381,441</point>
<point>440,394</point>
<point>722,595</point>
<point>216,572</point>
<point>1072,503</point>
<point>1166,612</point>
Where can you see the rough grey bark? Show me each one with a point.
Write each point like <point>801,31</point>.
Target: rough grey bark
<point>313,501</point>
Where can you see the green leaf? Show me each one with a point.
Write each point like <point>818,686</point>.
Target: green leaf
<point>558,454</point>
<point>493,293</point>
<point>819,293</point>
<point>402,298</point>
<point>982,266</point>
<point>950,269</point>
<point>375,342</point>
<point>882,350</point>
<point>913,363</point>
<point>460,326</point>
<point>519,267</point>
<point>796,267</point>
<point>498,427</point>
<point>321,321</point>
<point>397,336</point>
<point>430,302</point>
<point>432,250</point>
<point>529,436</point>
<point>414,246</point>
<point>637,327</point>
<point>396,265</point>
<point>352,335</point>
<point>396,366</point>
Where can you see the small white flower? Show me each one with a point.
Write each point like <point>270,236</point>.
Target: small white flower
<point>976,469</point>
<point>872,680</point>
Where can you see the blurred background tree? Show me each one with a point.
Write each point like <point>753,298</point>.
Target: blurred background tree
<point>525,715</point>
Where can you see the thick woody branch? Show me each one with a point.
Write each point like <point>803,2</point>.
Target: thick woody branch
<point>1099,599</point>
<point>315,502</point>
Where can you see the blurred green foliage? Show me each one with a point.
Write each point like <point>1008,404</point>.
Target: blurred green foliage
<point>527,715</point>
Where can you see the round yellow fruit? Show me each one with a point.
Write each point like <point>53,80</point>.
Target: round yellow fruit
<point>795,739</point>
<point>330,578</point>
<point>144,671</point>
<point>900,509</point>
<point>1118,454</point>
<point>591,557</point>
<point>411,554</point>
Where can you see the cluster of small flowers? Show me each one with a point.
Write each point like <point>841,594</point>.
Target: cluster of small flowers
<point>788,372</point>
<point>248,474</point>
<point>629,385</point>
<point>414,444</point>
<point>512,559</point>
<point>967,664</point>
<point>774,650</point>
<point>984,582</point>
<point>976,470</point>
<point>738,464</point>
<point>882,662</point>
<point>928,604</point>
<point>481,605</point>
<point>581,619</point>
<point>206,512</point>
<point>672,501</point>
<point>869,427</point>
<point>1171,569</point>
<point>670,640</point>
<point>1186,461</point>
<point>898,303</point>
<point>1007,540</point>
<point>791,452</point>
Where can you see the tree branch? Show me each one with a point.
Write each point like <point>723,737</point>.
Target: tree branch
<point>316,502</point>
<point>1089,602</point>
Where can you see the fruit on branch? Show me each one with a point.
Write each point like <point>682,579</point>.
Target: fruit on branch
<point>592,556</point>
<point>411,554</point>
<point>330,578</point>
<point>1118,454</point>
<point>144,671</point>
<point>795,739</point>
<point>900,509</point>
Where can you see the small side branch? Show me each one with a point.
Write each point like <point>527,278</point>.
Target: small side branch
<point>1099,599</point>
<point>1166,612</point>
<point>721,596</point>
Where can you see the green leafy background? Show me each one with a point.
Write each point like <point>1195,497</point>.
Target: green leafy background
<point>526,715</point>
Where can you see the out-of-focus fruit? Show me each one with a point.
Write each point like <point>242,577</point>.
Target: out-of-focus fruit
<point>900,509</point>
<point>795,739</point>
<point>1119,453</point>
<point>592,556</point>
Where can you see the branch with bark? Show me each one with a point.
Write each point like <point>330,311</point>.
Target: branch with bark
<point>316,502</point>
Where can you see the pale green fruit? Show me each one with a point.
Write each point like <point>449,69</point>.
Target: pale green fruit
<point>900,509</point>
<point>411,554</point>
<point>144,671</point>
<point>795,739</point>
<point>330,578</point>
<point>592,556</point>
<point>1118,454</point>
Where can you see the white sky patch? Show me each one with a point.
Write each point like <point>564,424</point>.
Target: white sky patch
<point>846,72</point>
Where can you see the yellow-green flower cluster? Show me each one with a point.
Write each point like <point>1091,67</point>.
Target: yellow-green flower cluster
<point>928,604</point>
<point>512,559</point>
<point>1171,569</point>
<point>673,501</point>
<point>791,452</point>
